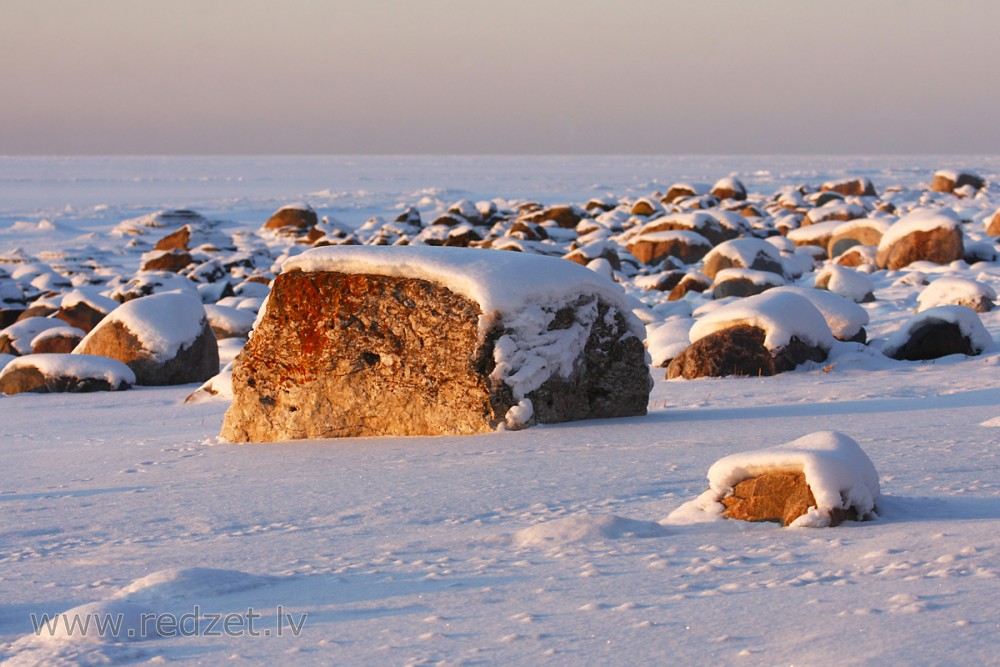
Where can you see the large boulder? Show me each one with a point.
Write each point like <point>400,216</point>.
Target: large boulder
<point>45,373</point>
<point>365,341</point>
<point>164,338</point>
<point>930,235</point>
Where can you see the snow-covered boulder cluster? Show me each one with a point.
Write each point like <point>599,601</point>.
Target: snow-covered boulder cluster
<point>726,280</point>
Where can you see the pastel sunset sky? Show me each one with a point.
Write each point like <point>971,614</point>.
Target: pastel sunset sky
<point>498,76</point>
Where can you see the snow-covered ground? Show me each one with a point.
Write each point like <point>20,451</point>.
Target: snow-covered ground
<point>544,546</point>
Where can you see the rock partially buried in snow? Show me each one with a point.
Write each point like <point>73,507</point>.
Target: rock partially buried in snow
<point>164,338</point>
<point>938,332</point>
<point>52,373</point>
<point>795,330</point>
<point>351,344</point>
<point>930,235</point>
<point>736,351</point>
<point>818,480</point>
<point>950,291</point>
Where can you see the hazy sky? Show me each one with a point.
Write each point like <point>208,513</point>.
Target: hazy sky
<point>498,76</point>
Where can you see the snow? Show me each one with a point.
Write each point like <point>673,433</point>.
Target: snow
<point>781,315</point>
<point>967,320</point>
<point>746,250</point>
<point>405,550</point>
<point>163,323</point>
<point>846,282</point>
<point>844,317</point>
<point>838,472</point>
<point>76,365</point>
<point>759,278</point>
<point>677,235</point>
<point>501,283</point>
<point>948,290</point>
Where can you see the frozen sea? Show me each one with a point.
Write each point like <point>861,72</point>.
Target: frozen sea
<point>410,551</point>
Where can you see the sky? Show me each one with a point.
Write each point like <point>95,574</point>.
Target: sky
<point>498,77</point>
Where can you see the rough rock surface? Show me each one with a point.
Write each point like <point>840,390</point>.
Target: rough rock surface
<point>81,315</point>
<point>735,351</point>
<point>366,355</point>
<point>942,245</point>
<point>780,496</point>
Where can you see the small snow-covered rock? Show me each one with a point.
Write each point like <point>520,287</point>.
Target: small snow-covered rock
<point>949,290</point>
<point>845,317</point>
<point>931,235</point>
<point>743,253</point>
<point>840,478</point>
<point>939,332</point>
<point>795,330</point>
<point>298,218</point>
<point>949,180</point>
<point>738,350</point>
<point>44,373</point>
<point>743,282</point>
<point>16,339</point>
<point>846,282</point>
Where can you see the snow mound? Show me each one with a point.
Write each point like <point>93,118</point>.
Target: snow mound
<point>967,320</point>
<point>781,315</point>
<point>181,583</point>
<point>838,472</point>
<point>127,617</point>
<point>668,339</point>
<point>949,290</point>
<point>586,527</point>
<point>846,282</point>
<point>844,317</point>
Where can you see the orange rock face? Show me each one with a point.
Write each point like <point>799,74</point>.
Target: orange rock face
<point>773,496</point>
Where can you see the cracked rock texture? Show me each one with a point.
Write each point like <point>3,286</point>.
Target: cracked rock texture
<point>344,355</point>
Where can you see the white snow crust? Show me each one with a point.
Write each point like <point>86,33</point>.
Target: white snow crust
<point>163,323</point>
<point>948,290</point>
